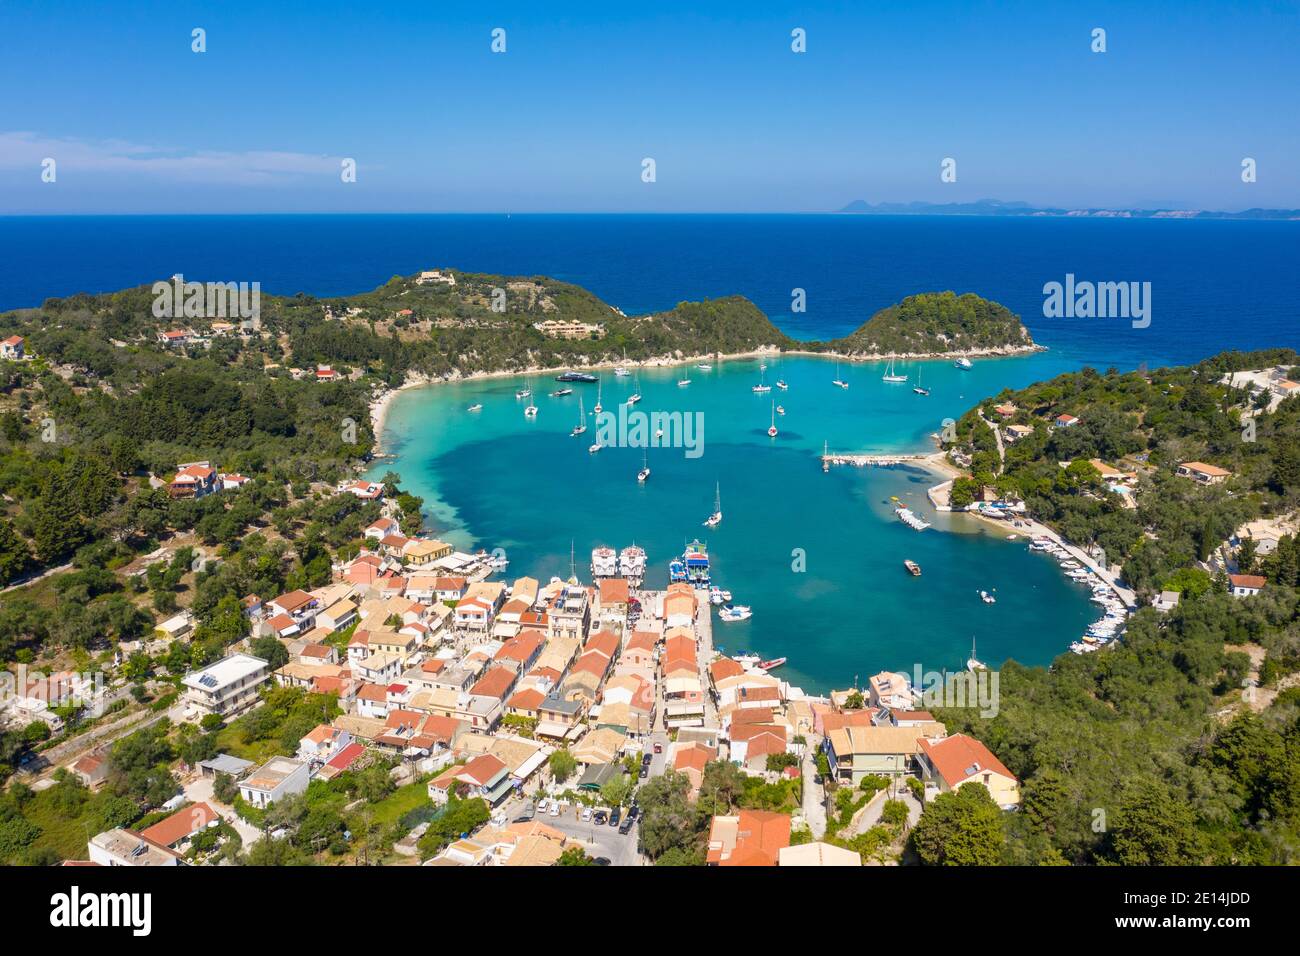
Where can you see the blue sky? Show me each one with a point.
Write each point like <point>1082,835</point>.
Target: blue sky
<point>734,120</point>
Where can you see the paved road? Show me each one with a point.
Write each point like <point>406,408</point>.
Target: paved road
<point>814,795</point>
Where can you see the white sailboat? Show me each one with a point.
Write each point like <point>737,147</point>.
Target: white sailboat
<point>531,410</point>
<point>636,393</point>
<point>918,388</point>
<point>685,381</point>
<point>761,388</point>
<point>890,375</point>
<point>771,431</point>
<point>715,519</point>
<point>581,427</point>
<point>644,473</point>
<point>837,380</point>
<point>973,663</point>
<point>621,370</point>
<point>598,409</point>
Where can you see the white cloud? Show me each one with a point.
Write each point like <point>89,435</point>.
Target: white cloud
<point>19,150</point>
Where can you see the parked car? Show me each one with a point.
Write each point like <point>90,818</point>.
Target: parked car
<point>555,809</point>
<point>599,818</point>
<point>601,861</point>
<point>646,758</point>
<point>586,814</point>
<point>626,826</point>
<point>615,816</point>
<point>659,748</point>
<point>541,806</point>
<point>645,771</point>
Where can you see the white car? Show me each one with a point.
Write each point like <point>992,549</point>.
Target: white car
<point>586,814</point>
<point>555,809</point>
<point>541,806</point>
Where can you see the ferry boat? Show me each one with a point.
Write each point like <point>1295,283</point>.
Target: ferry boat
<point>913,568</point>
<point>604,562</point>
<point>837,381</point>
<point>719,595</point>
<point>780,383</point>
<point>771,431</point>
<point>631,564</point>
<point>586,377</point>
<point>890,375</point>
<point>581,427</point>
<point>644,473</point>
<point>735,612</point>
<point>988,598</point>
<point>476,407</point>
<point>561,392</point>
<point>770,665</point>
<point>715,519</point>
<point>696,559</point>
<point>973,663</point>
<point>963,364</point>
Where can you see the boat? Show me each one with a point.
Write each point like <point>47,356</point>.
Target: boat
<point>734,612</point>
<point>593,448</point>
<point>676,570</point>
<point>498,561</point>
<point>780,383</point>
<point>644,473</point>
<point>604,562</point>
<point>586,377</point>
<point>771,431</point>
<point>837,380</point>
<point>909,517</point>
<point>682,382</point>
<point>918,387</point>
<point>988,598</point>
<point>476,407</point>
<point>621,370</point>
<point>696,559</point>
<point>973,663</point>
<point>523,392</point>
<point>762,366</point>
<point>963,364</point>
<point>636,394</point>
<point>530,411</point>
<point>705,367</point>
<point>631,564</point>
<point>747,659</point>
<point>715,519</point>
<point>598,409</point>
<point>780,409</point>
<point>762,388</point>
<point>890,375</point>
<point>913,568</point>
<point>561,392</point>
<point>719,595</point>
<point>770,665</point>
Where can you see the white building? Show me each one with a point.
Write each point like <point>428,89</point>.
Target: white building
<point>227,687</point>
<point>278,777</point>
<point>127,848</point>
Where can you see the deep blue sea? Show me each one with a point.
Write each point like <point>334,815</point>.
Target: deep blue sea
<point>1215,284</point>
<point>846,607</point>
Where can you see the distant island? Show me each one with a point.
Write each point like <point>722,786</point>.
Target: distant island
<point>996,207</point>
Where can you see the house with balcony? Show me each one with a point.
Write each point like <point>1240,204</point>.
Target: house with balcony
<point>227,687</point>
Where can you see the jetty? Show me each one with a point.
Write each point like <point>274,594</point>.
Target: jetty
<point>865,461</point>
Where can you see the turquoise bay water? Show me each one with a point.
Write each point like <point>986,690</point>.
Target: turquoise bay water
<point>496,479</point>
